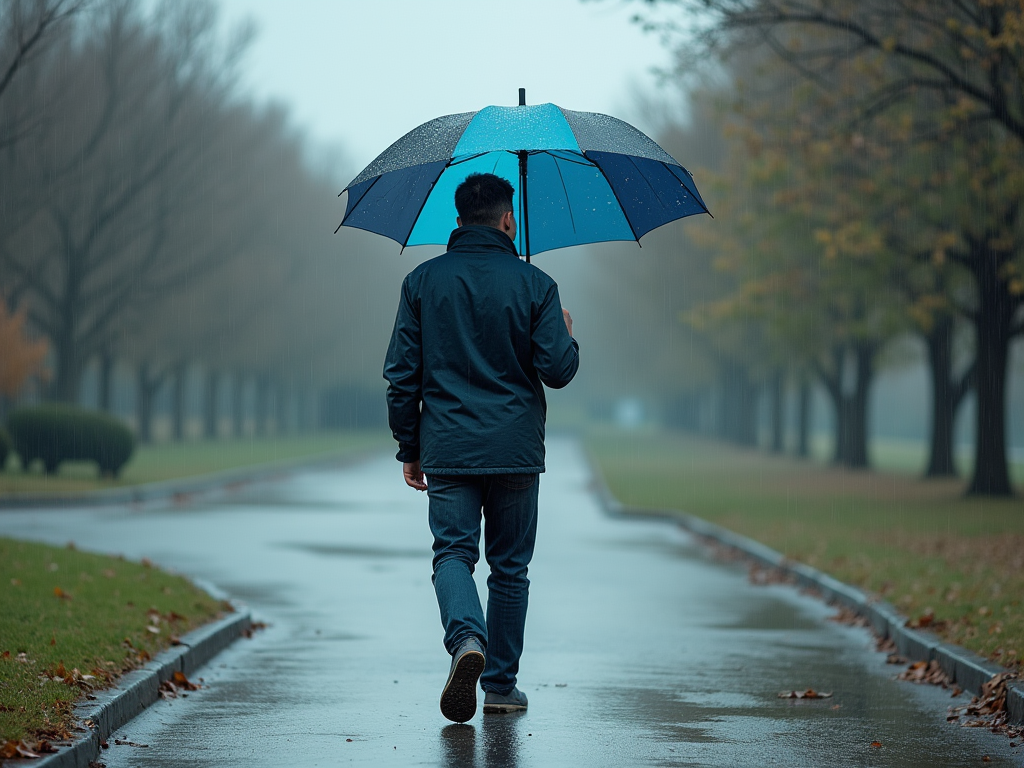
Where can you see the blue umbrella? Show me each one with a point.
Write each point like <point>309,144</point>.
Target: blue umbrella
<point>580,177</point>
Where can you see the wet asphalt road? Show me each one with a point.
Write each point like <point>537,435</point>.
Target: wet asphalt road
<point>640,649</point>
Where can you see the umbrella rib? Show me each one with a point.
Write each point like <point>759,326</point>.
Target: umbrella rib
<point>569,158</point>
<point>648,183</point>
<point>466,159</point>
<point>697,197</point>
<point>356,204</point>
<point>423,205</point>
<point>568,203</point>
<point>624,215</point>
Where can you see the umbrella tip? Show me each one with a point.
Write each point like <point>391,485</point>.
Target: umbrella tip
<point>522,97</point>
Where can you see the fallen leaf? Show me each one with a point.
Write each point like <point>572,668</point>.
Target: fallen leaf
<point>60,593</point>
<point>154,630</point>
<point>181,681</point>
<point>22,750</point>
<point>122,743</point>
<point>925,672</point>
<point>810,693</point>
<point>876,744</point>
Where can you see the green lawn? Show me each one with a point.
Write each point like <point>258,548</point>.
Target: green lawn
<point>168,461</point>
<point>67,615</point>
<point>920,544</point>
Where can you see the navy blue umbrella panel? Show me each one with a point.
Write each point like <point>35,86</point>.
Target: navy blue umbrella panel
<point>584,178</point>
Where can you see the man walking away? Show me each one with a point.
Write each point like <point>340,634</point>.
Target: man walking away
<point>478,332</point>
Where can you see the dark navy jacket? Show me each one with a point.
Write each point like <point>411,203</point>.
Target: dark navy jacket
<point>477,332</point>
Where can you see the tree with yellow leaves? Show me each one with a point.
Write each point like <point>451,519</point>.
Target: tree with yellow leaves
<point>939,75</point>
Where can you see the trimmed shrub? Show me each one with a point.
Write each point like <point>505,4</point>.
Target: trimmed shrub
<point>54,433</point>
<point>5,448</point>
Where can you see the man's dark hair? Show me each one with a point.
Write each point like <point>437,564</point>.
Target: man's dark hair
<point>482,199</point>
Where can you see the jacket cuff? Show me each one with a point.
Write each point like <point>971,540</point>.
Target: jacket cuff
<point>407,453</point>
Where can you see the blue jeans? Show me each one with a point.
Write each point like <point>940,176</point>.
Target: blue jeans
<point>509,505</point>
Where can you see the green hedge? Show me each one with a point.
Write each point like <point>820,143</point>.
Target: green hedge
<point>55,433</point>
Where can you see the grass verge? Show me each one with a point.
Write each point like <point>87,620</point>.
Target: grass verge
<point>170,461</point>
<point>73,621</point>
<point>920,544</point>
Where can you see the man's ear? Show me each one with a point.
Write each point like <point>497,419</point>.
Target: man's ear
<point>506,220</point>
<point>458,221</point>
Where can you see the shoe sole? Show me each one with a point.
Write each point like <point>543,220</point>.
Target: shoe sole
<point>502,709</point>
<point>458,700</point>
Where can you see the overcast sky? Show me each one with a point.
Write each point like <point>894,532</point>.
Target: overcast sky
<point>361,73</point>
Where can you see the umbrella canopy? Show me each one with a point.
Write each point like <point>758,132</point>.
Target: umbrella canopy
<point>579,177</point>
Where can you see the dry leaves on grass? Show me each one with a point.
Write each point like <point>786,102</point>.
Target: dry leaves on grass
<point>810,693</point>
<point>927,621</point>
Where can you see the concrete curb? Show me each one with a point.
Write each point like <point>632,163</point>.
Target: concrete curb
<point>965,668</point>
<point>140,688</point>
<point>176,489</point>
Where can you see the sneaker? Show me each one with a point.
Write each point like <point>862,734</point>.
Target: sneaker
<point>496,704</point>
<point>458,700</point>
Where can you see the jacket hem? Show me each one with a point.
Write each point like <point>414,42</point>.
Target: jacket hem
<point>483,470</point>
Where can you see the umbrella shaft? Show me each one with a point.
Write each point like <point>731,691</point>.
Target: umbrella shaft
<point>524,210</point>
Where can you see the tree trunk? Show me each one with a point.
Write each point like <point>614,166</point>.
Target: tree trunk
<point>147,385</point>
<point>948,393</point>
<point>305,418</point>
<point>262,406</point>
<point>106,383</point>
<point>993,323</point>
<point>778,408</point>
<point>803,427</point>
<point>210,403</point>
<point>737,418</point>
<point>857,430</point>
<point>68,378</point>
<point>281,401</point>
<point>238,404</point>
<point>178,406</point>
<point>851,408</point>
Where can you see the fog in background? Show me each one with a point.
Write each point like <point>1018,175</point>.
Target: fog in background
<point>169,175</point>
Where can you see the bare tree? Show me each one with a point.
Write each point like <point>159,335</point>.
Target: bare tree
<point>129,178</point>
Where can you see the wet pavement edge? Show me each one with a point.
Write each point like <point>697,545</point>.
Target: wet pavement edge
<point>181,489</point>
<point>965,668</point>
<point>114,707</point>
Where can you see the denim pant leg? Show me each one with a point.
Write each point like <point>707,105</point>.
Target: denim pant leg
<point>455,503</point>
<point>510,531</point>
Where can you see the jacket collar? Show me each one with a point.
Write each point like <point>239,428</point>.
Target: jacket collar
<point>477,238</point>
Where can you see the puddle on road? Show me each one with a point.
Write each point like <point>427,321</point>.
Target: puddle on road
<point>345,550</point>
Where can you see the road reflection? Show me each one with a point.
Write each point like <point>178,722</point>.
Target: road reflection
<point>501,742</point>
